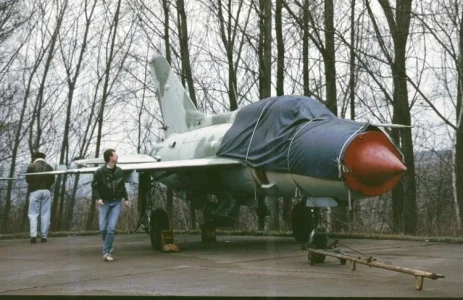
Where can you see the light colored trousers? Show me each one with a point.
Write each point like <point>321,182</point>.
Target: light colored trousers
<point>40,202</point>
<point>109,216</point>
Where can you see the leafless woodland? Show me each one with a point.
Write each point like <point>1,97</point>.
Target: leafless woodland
<point>74,80</point>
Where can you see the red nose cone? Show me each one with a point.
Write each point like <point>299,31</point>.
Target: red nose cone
<point>374,164</point>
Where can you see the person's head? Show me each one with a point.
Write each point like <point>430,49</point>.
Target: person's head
<point>37,155</point>
<point>110,155</point>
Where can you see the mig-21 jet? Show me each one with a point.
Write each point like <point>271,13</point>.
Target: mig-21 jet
<point>284,146</point>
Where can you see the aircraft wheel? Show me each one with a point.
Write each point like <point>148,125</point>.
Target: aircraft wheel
<point>315,258</point>
<point>311,257</point>
<point>301,222</point>
<point>343,261</point>
<point>159,222</point>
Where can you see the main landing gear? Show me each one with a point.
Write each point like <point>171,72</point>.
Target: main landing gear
<point>159,222</point>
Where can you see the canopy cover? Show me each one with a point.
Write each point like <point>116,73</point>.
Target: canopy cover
<point>295,134</point>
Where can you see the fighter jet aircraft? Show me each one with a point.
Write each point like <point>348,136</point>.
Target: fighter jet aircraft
<point>279,146</point>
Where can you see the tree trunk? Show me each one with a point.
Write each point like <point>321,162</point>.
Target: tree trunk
<point>287,201</point>
<point>399,26</point>
<point>329,59</point>
<point>72,202</point>
<point>352,62</point>
<point>192,217</point>
<point>458,147</point>
<point>25,216</point>
<point>287,208</point>
<point>265,79</point>
<point>170,192</point>
<point>305,49</point>
<point>275,216</point>
<point>265,48</point>
<point>184,51</point>
<point>228,42</point>
<point>280,48</point>
<point>458,173</point>
<point>165,6</point>
<point>170,206</point>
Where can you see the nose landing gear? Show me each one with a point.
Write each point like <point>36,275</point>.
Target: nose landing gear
<point>317,240</point>
<point>302,222</point>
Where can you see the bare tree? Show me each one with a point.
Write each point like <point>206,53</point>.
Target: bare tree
<point>113,26</point>
<point>352,63</point>
<point>228,17</point>
<point>72,68</point>
<point>325,47</point>
<point>404,194</point>
<point>444,22</point>
<point>20,131</point>
<point>35,134</point>
<point>265,48</point>
<point>287,201</point>
<point>184,49</point>
<point>111,74</point>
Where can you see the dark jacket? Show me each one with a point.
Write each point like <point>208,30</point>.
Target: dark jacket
<point>108,184</point>
<point>39,182</point>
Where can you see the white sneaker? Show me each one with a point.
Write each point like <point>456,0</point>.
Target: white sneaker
<point>108,257</point>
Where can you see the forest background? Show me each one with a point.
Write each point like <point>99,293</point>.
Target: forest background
<point>75,80</point>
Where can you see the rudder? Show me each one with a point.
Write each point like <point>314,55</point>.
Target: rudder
<point>178,111</point>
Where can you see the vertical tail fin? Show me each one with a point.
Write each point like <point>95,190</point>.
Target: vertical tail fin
<point>178,111</point>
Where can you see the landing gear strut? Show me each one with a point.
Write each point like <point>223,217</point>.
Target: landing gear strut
<point>159,222</point>
<point>317,240</point>
<point>301,222</point>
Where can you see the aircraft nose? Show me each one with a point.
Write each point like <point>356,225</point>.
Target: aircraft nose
<point>372,164</point>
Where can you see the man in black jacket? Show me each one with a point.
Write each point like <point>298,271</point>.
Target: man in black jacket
<point>108,188</point>
<point>40,196</point>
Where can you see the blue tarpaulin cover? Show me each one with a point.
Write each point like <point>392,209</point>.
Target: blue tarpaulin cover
<point>296,134</point>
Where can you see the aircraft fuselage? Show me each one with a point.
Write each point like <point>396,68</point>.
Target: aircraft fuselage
<point>245,181</point>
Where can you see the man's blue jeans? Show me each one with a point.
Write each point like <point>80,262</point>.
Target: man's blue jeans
<point>109,216</point>
<point>39,204</point>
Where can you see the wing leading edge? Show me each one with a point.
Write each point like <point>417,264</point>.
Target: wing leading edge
<point>174,165</point>
<point>181,165</point>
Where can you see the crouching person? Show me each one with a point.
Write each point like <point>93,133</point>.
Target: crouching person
<point>108,189</point>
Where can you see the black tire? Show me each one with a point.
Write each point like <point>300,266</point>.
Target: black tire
<point>315,258</point>
<point>301,222</point>
<point>159,222</point>
<point>321,258</point>
<point>319,240</point>
<point>312,258</point>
